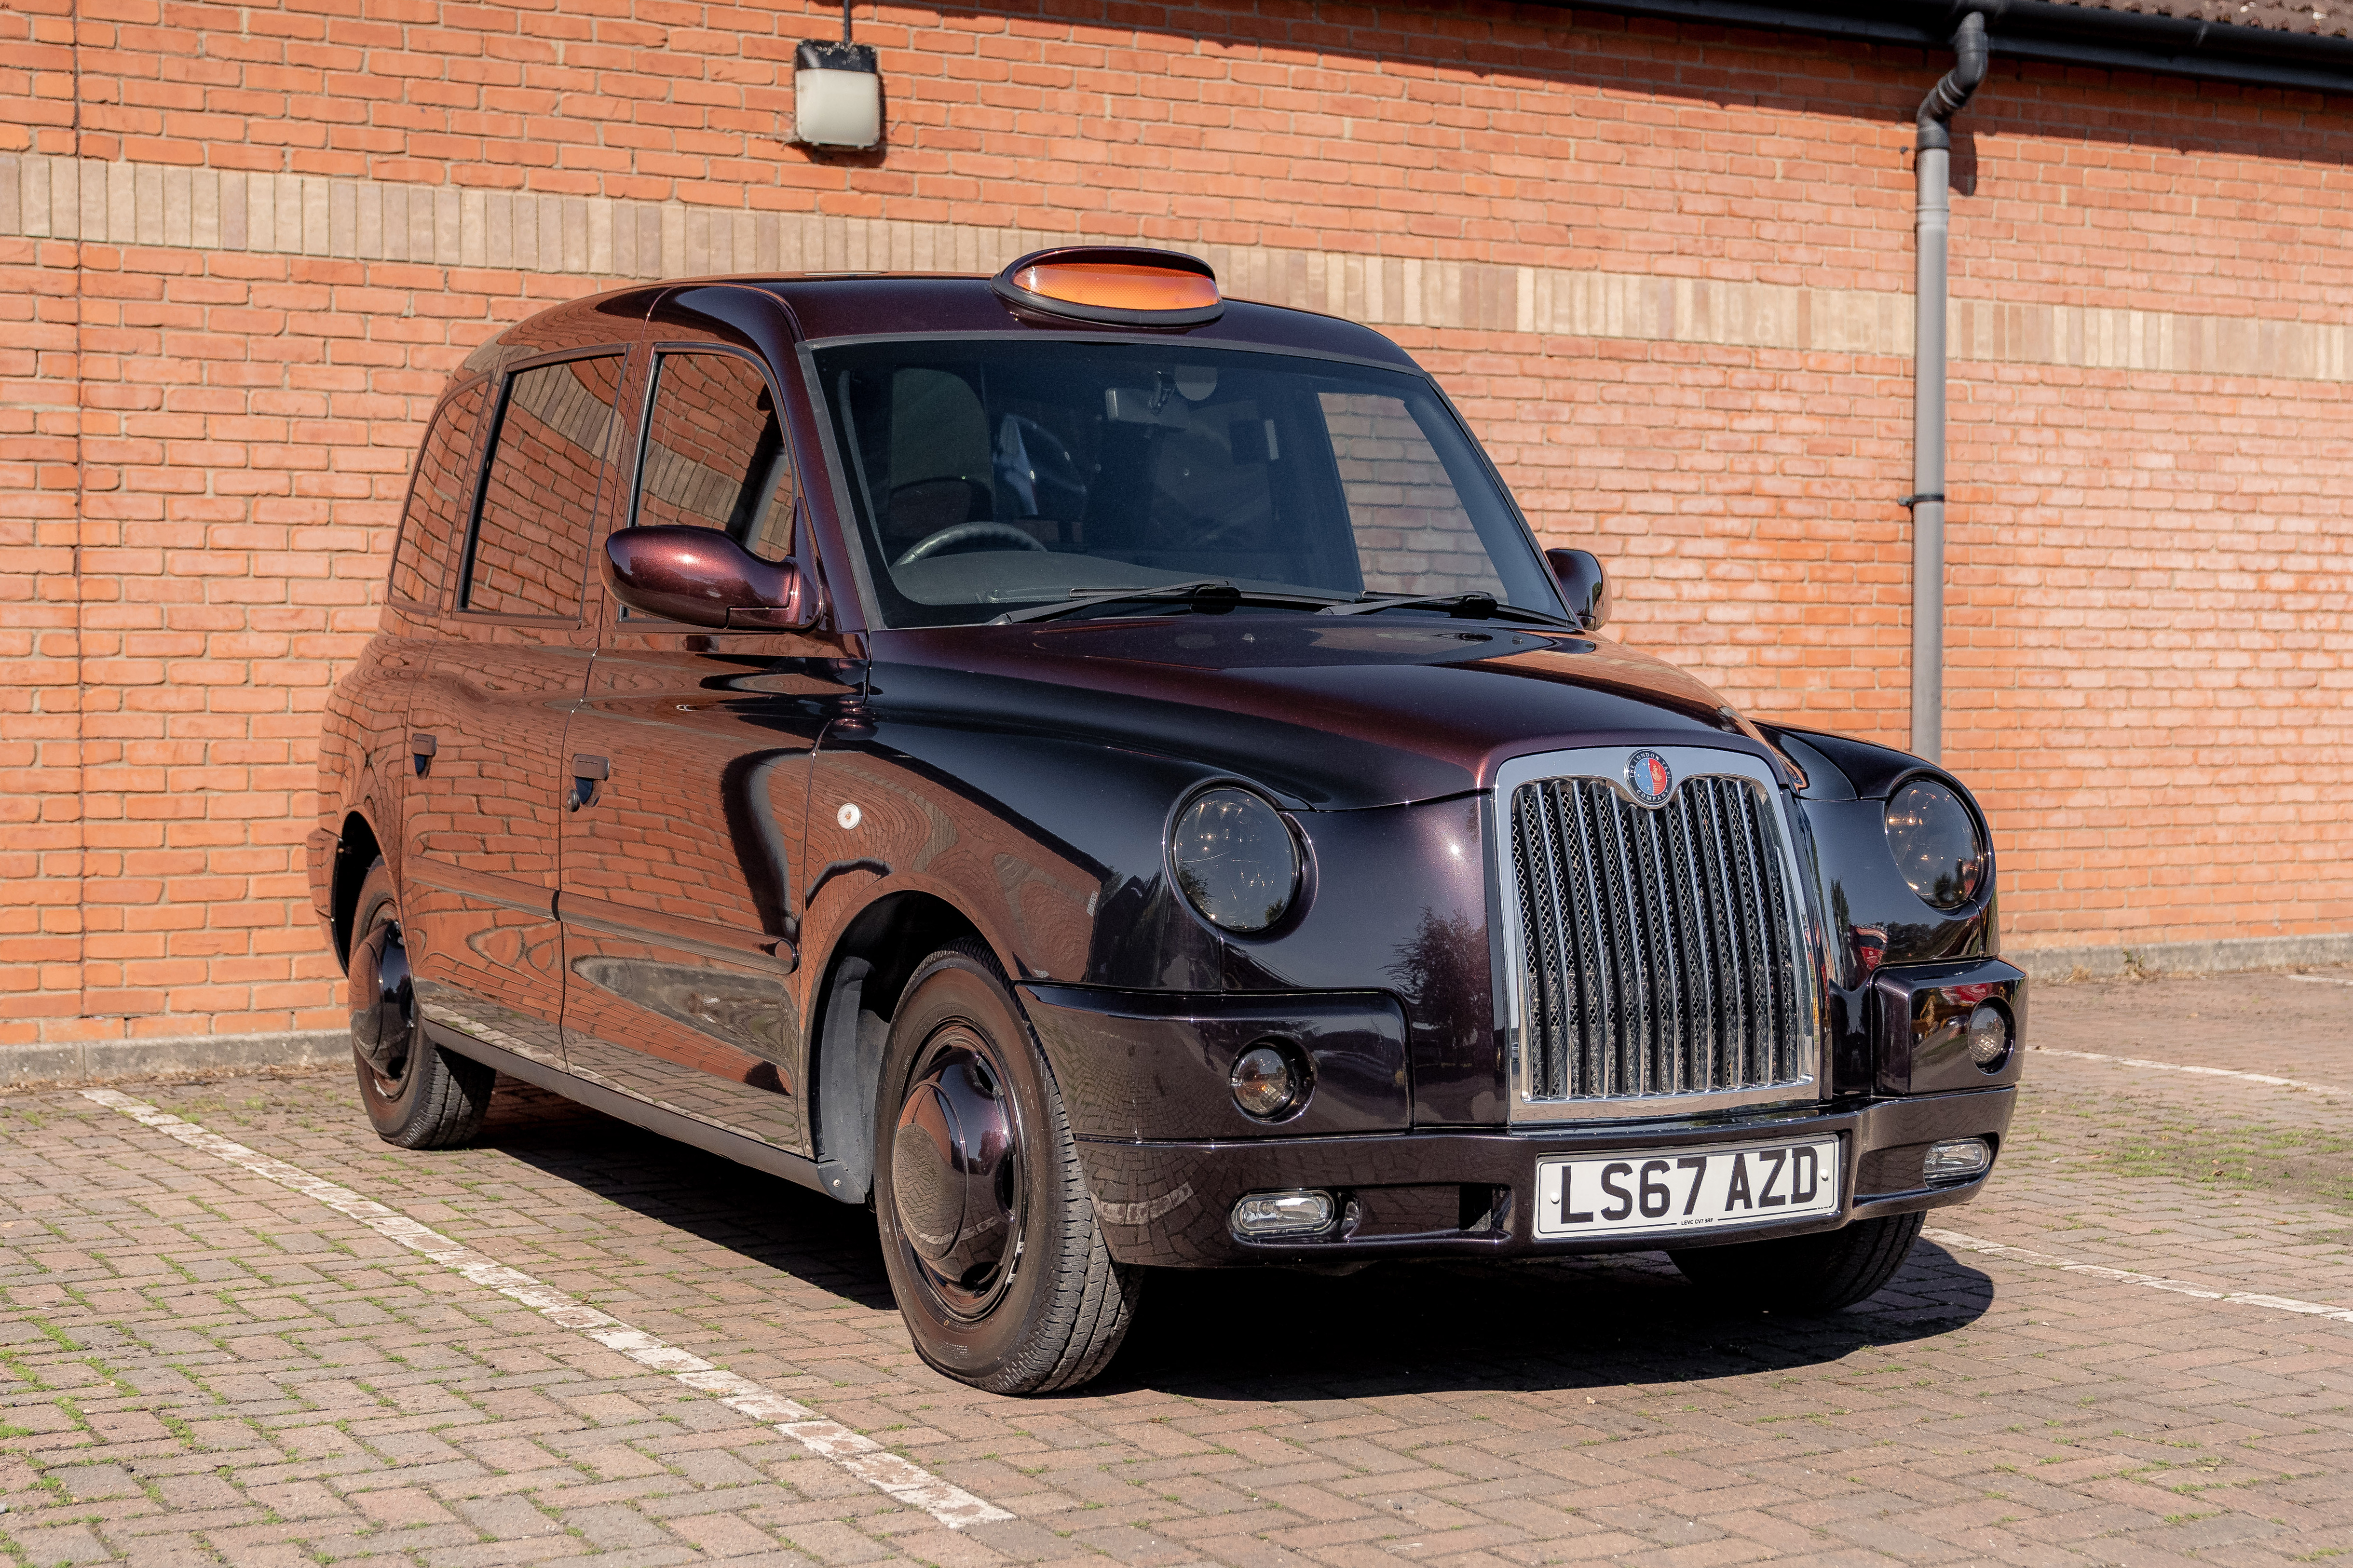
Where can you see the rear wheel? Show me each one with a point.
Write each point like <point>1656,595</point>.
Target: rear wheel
<point>416,1095</point>
<point>987,1229</point>
<point>1818,1273</point>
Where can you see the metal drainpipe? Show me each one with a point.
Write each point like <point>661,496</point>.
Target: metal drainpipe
<point>1934,162</point>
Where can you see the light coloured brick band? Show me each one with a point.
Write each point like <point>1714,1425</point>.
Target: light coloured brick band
<point>373,220</point>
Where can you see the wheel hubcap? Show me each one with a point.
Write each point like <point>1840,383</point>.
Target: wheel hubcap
<point>955,1174</point>
<point>384,1003</point>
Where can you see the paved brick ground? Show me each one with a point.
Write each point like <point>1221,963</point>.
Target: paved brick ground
<point>199,1366</point>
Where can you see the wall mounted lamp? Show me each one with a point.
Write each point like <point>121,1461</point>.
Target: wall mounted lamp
<point>837,92</point>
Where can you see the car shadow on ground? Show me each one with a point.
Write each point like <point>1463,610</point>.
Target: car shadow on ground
<point>1588,1323</point>
<point>1279,1334</point>
<point>761,1217</point>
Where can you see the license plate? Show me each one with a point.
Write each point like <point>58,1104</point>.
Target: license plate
<point>1669,1190</point>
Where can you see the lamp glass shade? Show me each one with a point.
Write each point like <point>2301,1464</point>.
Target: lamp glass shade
<point>837,96</point>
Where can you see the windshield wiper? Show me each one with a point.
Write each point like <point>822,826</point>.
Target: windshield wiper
<point>1217,590</point>
<point>1474,603</point>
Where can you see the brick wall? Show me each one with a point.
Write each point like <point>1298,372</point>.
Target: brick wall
<point>1664,271</point>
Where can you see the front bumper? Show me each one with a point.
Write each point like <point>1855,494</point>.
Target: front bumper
<point>1469,1194</point>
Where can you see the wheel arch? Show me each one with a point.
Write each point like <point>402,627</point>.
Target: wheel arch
<point>866,974</point>
<point>356,849</point>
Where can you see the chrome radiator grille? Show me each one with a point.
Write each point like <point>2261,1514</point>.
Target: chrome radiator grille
<point>1660,949</point>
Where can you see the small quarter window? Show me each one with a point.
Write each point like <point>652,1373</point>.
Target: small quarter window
<point>1414,535</point>
<point>539,498</point>
<point>715,454</point>
<point>436,501</point>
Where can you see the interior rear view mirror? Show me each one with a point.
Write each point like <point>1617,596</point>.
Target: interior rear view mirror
<point>701,576</point>
<point>1583,583</point>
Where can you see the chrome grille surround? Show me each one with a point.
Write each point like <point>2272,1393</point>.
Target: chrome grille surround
<point>1660,961</point>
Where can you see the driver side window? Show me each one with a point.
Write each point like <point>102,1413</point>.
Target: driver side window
<point>715,455</point>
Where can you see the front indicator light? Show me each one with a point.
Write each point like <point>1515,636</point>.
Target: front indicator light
<point>1266,1083</point>
<point>1262,1215</point>
<point>1235,860</point>
<point>1956,1160</point>
<point>1988,1037</point>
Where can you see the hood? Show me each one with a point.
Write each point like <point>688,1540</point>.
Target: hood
<point>1333,714</point>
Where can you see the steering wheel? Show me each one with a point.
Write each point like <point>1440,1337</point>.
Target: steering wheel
<point>965,533</point>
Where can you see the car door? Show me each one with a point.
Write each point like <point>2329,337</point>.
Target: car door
<point>487,720</point>
<point>364,752</point>
<point>681,865</point>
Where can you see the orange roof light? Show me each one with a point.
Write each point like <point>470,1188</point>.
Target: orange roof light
<point>1114,286</point>
<point>1118,285</point>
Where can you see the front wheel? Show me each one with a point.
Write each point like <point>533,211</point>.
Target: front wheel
<point>987,1229</point>
<point>1819,1273</point>
<point>416,1095</point>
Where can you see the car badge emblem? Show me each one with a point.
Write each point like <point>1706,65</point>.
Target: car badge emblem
<point>1647,777</point>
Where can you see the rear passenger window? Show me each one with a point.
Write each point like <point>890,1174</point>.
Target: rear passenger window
<point>436,501</point>
<point>539,498</point>
<point>715,454</point>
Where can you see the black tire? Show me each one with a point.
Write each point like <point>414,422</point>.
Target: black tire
<point>416,1095</point>
<point>1046,1307</point>
<point>1820,1273</point>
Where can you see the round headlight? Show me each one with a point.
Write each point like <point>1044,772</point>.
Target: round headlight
<point>1235,860</point>
<point>1935,843</point>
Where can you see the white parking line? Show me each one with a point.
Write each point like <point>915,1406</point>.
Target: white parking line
<point>2321,979</point>
<point>1964,1243</point>
<point>853,1451</point>
<point>2206,1072</point>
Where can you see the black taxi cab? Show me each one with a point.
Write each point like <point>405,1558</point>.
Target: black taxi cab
<point>1107,775</point>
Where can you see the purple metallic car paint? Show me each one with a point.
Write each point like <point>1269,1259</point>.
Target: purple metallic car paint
<point>1018,779</point>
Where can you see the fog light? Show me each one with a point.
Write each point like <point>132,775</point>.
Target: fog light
<point>1956,1160</point>
<point>1263,1214</point>
<point>1265,1082</point>
<point>1988,1037</point>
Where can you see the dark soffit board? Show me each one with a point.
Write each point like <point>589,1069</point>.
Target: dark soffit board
<point>2270,43</point>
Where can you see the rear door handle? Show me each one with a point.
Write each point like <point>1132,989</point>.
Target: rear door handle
<point>420,753</point>
<point>587,771</point>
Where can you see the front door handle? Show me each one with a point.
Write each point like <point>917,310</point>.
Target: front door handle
<point>587,771</point>
<point>420,753</point>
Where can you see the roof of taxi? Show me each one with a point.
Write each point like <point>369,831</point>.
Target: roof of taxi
<point>832,306</point>
<point>872,304</point>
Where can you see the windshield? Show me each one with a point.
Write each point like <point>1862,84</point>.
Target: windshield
<point>998,473</point>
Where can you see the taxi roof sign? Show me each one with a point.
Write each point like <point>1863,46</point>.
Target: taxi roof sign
<point>1112,286</point>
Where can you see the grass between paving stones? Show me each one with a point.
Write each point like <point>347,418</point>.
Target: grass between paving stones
<point>2124,1136</point>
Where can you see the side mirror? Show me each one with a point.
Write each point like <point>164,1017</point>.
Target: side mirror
<point>701,576</point>
<point>1583,583</point>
